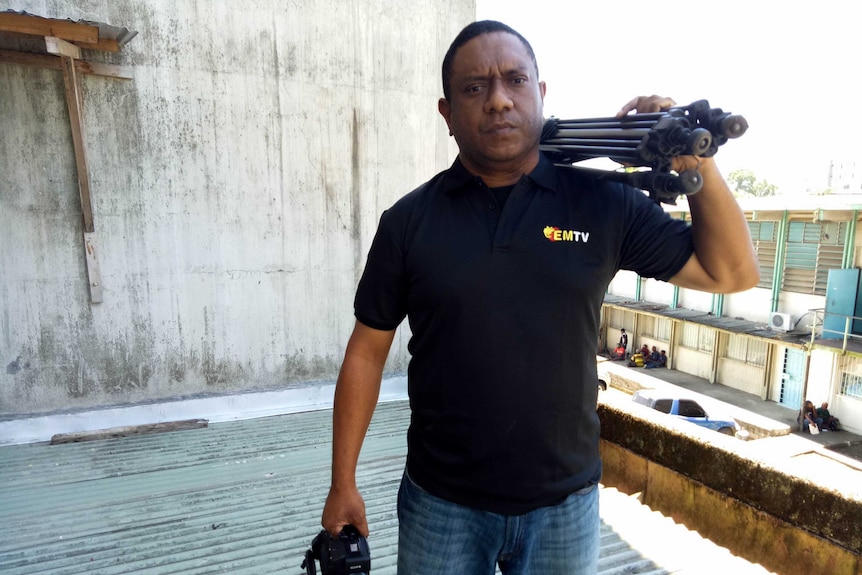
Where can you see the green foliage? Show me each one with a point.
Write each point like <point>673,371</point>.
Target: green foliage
<point>745,183</point>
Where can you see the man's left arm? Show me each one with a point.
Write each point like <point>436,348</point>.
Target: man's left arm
<point>724,260</point>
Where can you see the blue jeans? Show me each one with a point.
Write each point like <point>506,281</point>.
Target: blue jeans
<point>437,537</point>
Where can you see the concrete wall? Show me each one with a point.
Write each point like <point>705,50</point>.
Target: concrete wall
<point>237,182</point>
<point>751,497</point>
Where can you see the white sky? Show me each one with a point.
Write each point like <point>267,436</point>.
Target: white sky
<point>791,68</point>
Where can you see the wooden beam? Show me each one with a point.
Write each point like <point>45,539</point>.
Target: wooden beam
<point>99,69</point>
<point>38,26</point>
<point>104,44</point>
<point>113,432</point>
<point>75,103</point>
<point>91,260</point>
<point>76,121</point>
<point>53,63</point>
<point>60,47</point>
<point>30,59</point>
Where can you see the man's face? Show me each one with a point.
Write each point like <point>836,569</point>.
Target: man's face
<point>495,105</point>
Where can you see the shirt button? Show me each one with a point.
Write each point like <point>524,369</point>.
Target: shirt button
<point>492,207</point>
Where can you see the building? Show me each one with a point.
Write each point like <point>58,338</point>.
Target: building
<point>845,176</point>
<point>795,336</point>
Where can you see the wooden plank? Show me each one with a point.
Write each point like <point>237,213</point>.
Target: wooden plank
<point>53,63</point>
<point>75,106</point>
<point>38,26</point>
<point>109,70</point>
<point>113,432</point>
<point>30,59</point>
<point>104,45</point>
<point>60,47</point>
<point>91,260</point>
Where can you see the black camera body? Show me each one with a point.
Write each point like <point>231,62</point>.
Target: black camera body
<point>346,554</point>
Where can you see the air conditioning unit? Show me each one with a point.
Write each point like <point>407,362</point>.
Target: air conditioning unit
<point>780,321</point>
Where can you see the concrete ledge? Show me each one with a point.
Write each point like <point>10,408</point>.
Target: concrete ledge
<point>722,488</point>
<point>33,428</point>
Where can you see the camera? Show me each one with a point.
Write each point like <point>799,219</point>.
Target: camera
<point>346,554</point>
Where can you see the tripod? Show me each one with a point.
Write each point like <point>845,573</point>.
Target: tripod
<point>645,140</point>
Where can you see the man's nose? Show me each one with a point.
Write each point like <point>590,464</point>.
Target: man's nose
<point>499,98</point>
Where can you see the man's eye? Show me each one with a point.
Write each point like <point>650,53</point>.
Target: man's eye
<point>474,89</point>
<point>519,80</point>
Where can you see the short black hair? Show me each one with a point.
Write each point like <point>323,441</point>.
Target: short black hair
<point>472,31</point>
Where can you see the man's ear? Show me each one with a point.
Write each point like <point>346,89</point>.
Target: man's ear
<point>445,110</point>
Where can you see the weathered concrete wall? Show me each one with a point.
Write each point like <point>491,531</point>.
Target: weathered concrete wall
<point>237,182</point>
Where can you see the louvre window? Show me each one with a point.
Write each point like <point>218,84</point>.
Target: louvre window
<point>812,250</point>
<point>764,235</point>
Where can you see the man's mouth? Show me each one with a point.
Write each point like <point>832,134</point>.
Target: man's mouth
<point>500,128</point>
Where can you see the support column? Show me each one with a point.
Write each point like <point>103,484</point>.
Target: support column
<point>68,53</point>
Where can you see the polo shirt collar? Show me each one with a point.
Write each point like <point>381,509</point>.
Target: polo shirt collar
<point>457,177</point>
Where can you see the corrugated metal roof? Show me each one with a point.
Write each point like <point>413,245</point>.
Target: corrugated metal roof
<point>724,323</point>
<point>245,497</point>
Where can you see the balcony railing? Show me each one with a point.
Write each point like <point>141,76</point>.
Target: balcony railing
<point>834,326</point>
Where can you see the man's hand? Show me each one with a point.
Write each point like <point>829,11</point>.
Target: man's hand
<point>646,104</point>
<point>344,506</point>
<point>651,105</point>
<point>724,260</point>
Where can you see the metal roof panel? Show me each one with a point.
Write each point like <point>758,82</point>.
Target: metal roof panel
<point>245,497</point>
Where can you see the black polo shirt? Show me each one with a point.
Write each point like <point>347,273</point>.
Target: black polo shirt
<point>504,308</point>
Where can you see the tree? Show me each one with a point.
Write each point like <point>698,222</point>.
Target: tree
<point>745,183</point>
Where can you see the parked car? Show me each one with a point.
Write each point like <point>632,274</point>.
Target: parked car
<point>687,409</point>
<point>604,376</point>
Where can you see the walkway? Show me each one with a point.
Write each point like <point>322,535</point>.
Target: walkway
<point>843,442</point>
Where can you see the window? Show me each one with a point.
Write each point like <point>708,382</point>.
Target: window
<point>618,318</point>
<point>663,405</point>
<point>812,250</point>
<point>689,408</point>
<point>764,235</point>
<point>655,327</point>
<point>851,377</point>
<point>747,349</point>
<point>851,385</point>
<point>698,337</point>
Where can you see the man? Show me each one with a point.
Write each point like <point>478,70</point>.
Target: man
<point>503,459</point>
<point>624,339</point>
<point>661,361</point>
<point>830,422</point>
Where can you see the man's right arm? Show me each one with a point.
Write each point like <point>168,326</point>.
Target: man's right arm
<point>356,394</point>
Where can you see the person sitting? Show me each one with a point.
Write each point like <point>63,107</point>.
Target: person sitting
<point>660,362</point>
<point>644,351</point>
<point>653,356</point>
<point>636,360</point>
<point>830,422</point>
<point>808,417</point>
<point>619,353</point>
